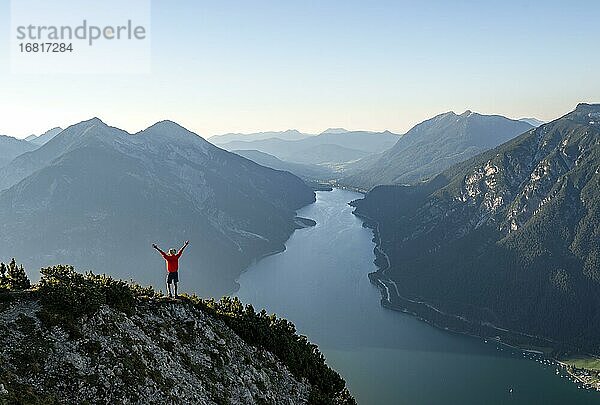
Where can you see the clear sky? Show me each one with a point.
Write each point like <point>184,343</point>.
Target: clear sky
<point>253,65</point>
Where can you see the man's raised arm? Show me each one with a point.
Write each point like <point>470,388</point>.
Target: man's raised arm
<point>159,249</point>
<point>187,242</point>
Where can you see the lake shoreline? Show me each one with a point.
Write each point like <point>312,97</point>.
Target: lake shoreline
<point>458,324</point>
<point>383,354</point>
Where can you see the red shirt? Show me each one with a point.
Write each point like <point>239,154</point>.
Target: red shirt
<point>172,261</point>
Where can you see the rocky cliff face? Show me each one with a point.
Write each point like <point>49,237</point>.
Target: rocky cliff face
<point>148,350</point>
<point>166,353</point>
<point>508,186</point>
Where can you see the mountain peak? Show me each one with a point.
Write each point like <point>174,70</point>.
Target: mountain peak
<point>84,127</point>
<point>167,123</point>
<point>468,113</point>
<point>443,115</point>
<point>587,108</point>
<point>91,130</point>
<point>452,114</point>
<point>168,127</point>
<point>587,114</point>
<point>168,130</point>
<point>94,120</point>
<point>335,131</point>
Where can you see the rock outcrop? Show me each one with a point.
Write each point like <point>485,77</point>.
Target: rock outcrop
<point>89,339</point>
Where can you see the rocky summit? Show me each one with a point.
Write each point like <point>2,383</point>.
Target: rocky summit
<point>89,339</point>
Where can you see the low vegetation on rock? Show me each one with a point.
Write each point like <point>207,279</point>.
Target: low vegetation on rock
<point>87,338</point>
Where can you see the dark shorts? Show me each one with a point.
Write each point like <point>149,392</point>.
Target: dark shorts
<point>172,277</point>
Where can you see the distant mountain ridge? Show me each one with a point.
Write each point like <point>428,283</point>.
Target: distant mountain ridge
<point>533,121</point>
<point>335,131</point>
<point>45,137</point>
<point>11,147</point>
<point>509,238</point>
<point>288,135</point>
<point>329,149</point>
<point>304,171</point>
<point>432,146</point>
<point>97,197</point>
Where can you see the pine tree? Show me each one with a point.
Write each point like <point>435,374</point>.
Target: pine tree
<point>3,276</point>
<point>13,276</point>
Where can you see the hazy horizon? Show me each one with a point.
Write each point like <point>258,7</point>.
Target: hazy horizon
<point>238,67</point>
<point>317,132</point>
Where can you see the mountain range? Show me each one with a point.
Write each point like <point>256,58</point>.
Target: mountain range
<point>432,146</point>
<point>98,197</point>
<point>289,135</point>
<point>509,239</point>
<point>331,148</point>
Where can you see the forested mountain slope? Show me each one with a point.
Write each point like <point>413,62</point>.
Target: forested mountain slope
<point>510,237</point>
